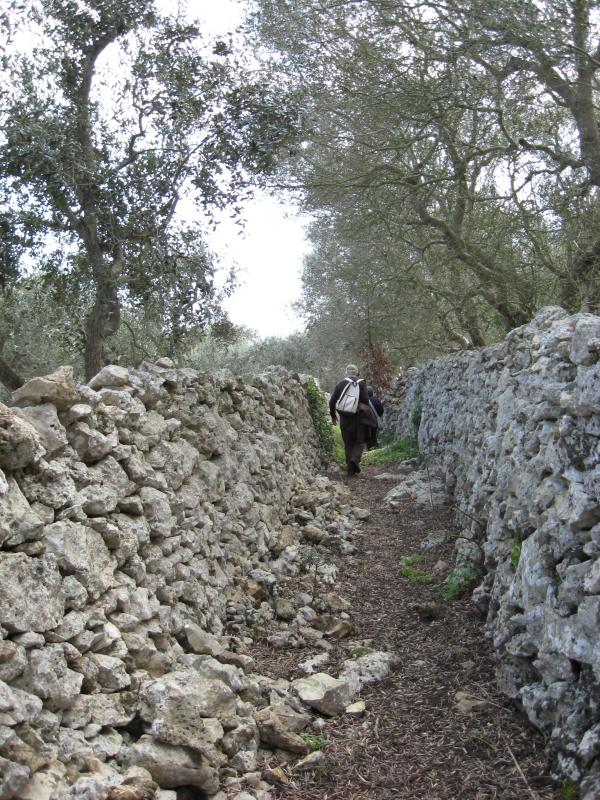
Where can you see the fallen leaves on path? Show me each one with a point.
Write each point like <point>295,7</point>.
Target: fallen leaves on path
<point>416,741</point>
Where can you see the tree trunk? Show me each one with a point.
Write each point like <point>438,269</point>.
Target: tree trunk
<point>105,317</point>
<point>11,379</point>
<point>581,288</point>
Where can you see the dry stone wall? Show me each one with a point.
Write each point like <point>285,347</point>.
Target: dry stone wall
<point>513,430</point>
<point>147,521</point>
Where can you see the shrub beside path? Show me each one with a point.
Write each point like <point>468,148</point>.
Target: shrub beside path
<point>436,728</point>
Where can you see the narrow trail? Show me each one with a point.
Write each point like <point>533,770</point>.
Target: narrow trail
<point>414,742</point>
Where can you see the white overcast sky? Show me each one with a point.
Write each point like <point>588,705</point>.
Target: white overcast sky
<point>268,251</point>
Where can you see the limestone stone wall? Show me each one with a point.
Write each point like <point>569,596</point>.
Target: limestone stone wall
<point>146,523</point>
<point>514,432</point>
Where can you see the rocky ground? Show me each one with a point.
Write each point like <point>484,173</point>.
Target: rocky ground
<point>435,727</point>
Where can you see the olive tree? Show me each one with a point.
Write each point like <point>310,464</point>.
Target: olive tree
<point>114,117</point>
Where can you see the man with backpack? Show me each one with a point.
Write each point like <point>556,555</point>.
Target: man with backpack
<point>350,402</point>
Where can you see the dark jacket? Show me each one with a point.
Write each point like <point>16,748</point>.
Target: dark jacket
<point>377,405</point>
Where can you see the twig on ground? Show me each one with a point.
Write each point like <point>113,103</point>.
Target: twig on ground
<point>520,771</point>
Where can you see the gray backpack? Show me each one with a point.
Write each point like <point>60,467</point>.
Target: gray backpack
<point>348,400</point>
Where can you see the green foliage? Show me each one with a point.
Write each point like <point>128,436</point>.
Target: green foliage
<point>570,790</point>
<point>338,451</point>
<point>320,418</point>
<point>414,574</point>
<point>515,554</point>
<point>459,583</point>
<point>409,561</point>
<point>400,450</point>
<point>313,741</point>
<point>361,651</point>
<point>96,158</point>
<point>453,207</point>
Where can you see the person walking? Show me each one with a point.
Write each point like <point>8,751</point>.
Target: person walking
<point>351,392</point>
<point>377,407</point>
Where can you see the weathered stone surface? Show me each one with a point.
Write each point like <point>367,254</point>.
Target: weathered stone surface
<point>18,522</point>
<point>157,511</point>
<point>48,676</point>
<point>366,669</point>
<point>201,641</point>
<point>91,445</point>
<point>13,777</point>
<point>80,551</point>
<point>31,597</point>
<point>57,388</point>
<point>19,442</point>
<point>44,420</point>
<point>275,731</point>
<point>174,766</point>
<point>425,490</point>
<point>17,706</point>
<point>111,375</point>
<point>329,695</point>
<point>184,696</point>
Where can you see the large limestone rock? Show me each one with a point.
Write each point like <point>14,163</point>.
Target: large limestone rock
<point>174,766</point>
<point>19,442</point>
<point>18,523</point>
<point>81,551</point>
<point>48,676</point>
<point>181,698</point>
<point>110,376</point>
<point>17,706</point>
<point>44,420</point>
<point>31,596</point>
<point>57,388</point>
<point>368,668</point>
<point>278,726</point>
<point>329,695</point>
<point>13,778</point>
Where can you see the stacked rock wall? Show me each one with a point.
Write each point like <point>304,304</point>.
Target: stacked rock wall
<point>514,431</point>
<point>139,515</point>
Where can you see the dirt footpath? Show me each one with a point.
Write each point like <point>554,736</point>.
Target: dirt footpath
<point>416,740</point>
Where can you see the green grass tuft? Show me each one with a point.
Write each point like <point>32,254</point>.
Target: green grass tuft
<point>515,554</point>
<point>313,741</point>
<point>570,790</point>
<point>320,418</point>
<point>338,447</point>
<point>400,450</point>
<point>361,651</point>
<point>415,574</point>
<point>458,584</point>
<point>408,561</point>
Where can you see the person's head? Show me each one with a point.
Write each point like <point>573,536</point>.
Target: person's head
<point>370,391</point>
<point>352,371</point>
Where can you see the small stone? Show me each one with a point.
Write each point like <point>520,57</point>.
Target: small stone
<point>341,630</point>
<point>311,762</point>
<point>356,709</point>
<point>467,703</point>
<point>275,776</point>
